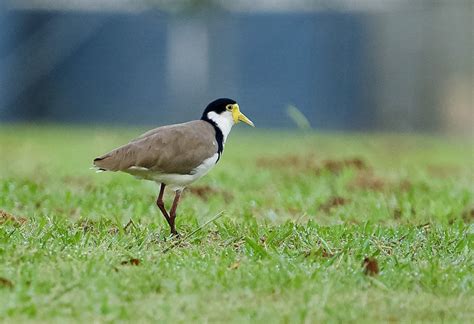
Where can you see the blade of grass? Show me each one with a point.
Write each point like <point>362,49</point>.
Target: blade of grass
<point>175,243</point>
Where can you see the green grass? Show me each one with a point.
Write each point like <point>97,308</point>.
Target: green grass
<point>288,248</point>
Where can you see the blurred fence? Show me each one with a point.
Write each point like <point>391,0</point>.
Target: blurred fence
<point>397,69</point>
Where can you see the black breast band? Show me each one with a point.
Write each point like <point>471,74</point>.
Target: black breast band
<point>219,137</point>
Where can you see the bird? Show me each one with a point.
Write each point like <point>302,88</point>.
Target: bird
<point>176,155</point>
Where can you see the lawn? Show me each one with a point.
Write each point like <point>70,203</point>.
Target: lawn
<point>300,214</point>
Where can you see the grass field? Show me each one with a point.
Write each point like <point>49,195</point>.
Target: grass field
<point>301,212</point>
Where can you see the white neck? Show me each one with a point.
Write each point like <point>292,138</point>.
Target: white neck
<point>224,121</point>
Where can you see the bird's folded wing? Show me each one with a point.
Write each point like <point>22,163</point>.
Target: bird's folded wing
<point>170,149</point>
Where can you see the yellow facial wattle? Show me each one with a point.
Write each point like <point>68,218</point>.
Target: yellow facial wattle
<point>238,116</point>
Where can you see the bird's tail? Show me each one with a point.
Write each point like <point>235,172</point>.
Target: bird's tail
<point>99,164</point>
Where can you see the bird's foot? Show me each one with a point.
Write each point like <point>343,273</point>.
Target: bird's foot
<point>175,234</point>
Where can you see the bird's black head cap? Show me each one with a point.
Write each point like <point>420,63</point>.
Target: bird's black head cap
<point>218,106</point>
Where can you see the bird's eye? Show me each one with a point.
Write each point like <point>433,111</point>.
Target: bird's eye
<point>229,107</point>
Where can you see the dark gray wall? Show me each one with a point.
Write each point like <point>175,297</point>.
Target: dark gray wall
<point>153,68</point>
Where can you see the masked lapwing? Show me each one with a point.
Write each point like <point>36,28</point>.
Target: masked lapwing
<point>177,155</point>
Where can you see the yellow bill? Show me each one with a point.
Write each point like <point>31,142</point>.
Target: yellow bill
<point>238,116</point>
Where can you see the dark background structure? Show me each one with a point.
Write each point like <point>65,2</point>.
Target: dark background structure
<point>346,65</point>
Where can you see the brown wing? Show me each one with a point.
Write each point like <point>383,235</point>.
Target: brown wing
<point>170,149</point>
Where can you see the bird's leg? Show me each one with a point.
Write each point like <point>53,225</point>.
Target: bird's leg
<point>173,212</point>
<point>161,205</point>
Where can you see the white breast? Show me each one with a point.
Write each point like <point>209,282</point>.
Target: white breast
<point>224,121</point>
<point>173,180</point>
